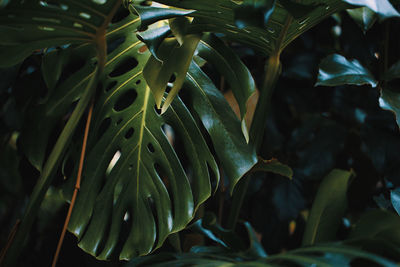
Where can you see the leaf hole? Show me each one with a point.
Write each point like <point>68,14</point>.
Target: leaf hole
<point>53,4</point>
<point>169,133</point>
<point>105,124</point>
<point>45,28</point>
<point>125,100</point>
<point>157,110</point>
<point>113,44</point>
<point>113,161</point>
<point>150,147</point>
<point>125,66</point>
<point>138,81</point>
<point>85,15</point>
<point>129,133</point>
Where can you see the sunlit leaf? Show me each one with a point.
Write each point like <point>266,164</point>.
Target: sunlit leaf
<point>363,16</point>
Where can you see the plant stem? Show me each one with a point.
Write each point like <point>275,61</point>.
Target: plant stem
<point>272,70</point>
<point>77,186</point>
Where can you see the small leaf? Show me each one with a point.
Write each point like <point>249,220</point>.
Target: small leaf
<point>395,198</point>
<point>383,8</point>
<point>253,13</point>
<point>336,70</point>
<point>274,166</point>
<point>390,100</point>
<point>363,16</point>
<point>153,38</point>
<point>393,72</point>
<point>328,208</point>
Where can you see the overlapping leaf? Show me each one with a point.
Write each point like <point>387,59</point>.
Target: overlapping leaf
<point>282,28</point>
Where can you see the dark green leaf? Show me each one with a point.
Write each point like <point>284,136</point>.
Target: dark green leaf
<point>153,38</point>
<point>337,70</point>
<point>299,10</point>
<point>329,206</point>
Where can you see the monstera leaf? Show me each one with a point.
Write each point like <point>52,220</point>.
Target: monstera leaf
<point>126,208</point>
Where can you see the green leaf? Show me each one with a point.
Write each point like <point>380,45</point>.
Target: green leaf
<point>175,61</point>
<point>235,155</point>
<point>218,16</point>
<point>336,70</point>
<point>232,69</point>
<point>299,10</point>
<point>329,206</point>
<point>383,8</point>
<point>274,166</point>
<point>390,100</point>
<point>393,72</point>
<point>364,17</point>
<point>395,198</point>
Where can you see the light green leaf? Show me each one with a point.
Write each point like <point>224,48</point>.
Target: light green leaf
<point>329,206</point>
<point>336,70</point>
<point>383,8</point>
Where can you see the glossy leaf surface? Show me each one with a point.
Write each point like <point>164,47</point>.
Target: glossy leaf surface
<point>364,17</point>
<point>395,199</point>
<point>336,70</point>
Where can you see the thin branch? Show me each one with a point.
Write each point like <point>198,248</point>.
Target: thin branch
<point>77,186</point>
<point>9,240</point>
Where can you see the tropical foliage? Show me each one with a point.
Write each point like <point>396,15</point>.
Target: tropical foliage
<point>150,118</point>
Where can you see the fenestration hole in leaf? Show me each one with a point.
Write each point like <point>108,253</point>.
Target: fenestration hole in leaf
<point>157,110</point>
<point>153,209</point>
<point>125,100</point>
<point>169,133</point>
<point>113,161</point>
<point>150,147</point>
<point>123,67</point>
<point>129,133</point>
